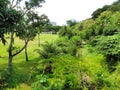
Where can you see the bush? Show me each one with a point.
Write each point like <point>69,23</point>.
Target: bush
<point>67,31</point>
<point>69,46</point>
<point>3,82</point>
<point>48,50</point>
<point>109,46</point>
<point>13,79</point>
<point>64,69</point>
<point>76,40</point>
<point>40,83</point>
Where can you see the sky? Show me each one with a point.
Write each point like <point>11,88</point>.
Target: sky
<point>60,11</point>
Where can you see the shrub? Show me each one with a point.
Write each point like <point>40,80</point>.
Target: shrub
<point>40,83</point>
<point>48,50</point>
<point>69,46</point>
<point>109,46</point>
<point>67,31</point>
<point>76,40</point>
<point>3,82</point>
<point>13,79</point>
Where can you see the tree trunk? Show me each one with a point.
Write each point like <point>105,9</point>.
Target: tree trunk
<point>26,54</point>
<point>11,55</point>
<point>10,63</point>
<point>38,39</point>
<point>10,52</point>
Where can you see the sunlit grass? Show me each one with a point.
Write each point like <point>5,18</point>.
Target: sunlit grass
<point>19,60</point>
<point>32,45</point>
<point>21,87</point>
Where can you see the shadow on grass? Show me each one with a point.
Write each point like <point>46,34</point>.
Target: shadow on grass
<point>28,64</point>
<point>21,73</point>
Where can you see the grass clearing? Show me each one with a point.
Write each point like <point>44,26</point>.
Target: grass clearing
<point>19,62</point>
<point>32,45</point>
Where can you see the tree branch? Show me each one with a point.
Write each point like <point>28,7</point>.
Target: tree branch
<point>18,2</point>
<point>12,3</point>
<point>22,47</point>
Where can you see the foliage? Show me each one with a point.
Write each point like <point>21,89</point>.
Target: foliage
<point>84,28</point>
<point>14,19</point>
<point>65,71</point>
<point>67,31</point>
<point>43,23</point>
<point>113,7</point>
<point>60,75</point>
<point>11,80</point>
<point>53,28</point>
<point>33,3</point>
<point>97,13</point>
<point>71,23</point>
<point>109,45</point>
<point>116,2</point>
<point>71,73</point>
<point>106,24</point>
<point>69,46</point>
<point>92,70</point>
<point>104,35</point>
<point>9,17</point>
<point>76,40</point>
<point>110,48</point>
<point>48,50</point>
<point>21,69</point>
<point>95,41</point>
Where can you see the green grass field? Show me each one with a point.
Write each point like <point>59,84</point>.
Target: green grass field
<point>19,60</point>
<point>32,45</point>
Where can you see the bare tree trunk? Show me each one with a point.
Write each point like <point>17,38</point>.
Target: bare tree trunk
<point>26,54</point>
<point>10,51</point>
<point>38,39</point>
<point>10,63</point>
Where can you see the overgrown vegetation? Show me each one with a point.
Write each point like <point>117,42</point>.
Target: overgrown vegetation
<point>86,56</point>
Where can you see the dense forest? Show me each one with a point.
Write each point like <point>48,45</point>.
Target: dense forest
<point>77,56</point>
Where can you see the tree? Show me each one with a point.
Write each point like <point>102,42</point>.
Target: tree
<point>13,16</point>
<point>116,2</point>
<point>106,24</point>
<point>106,34</point>
<point>4,22</point>
<point>113,7</point>
<point>67,31</point>
<point>53,28</point>
<point>43,24</point>
<point>1,22</point>
<point>27,30</point>
<point>97,12</point>
<point>71,23</point>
